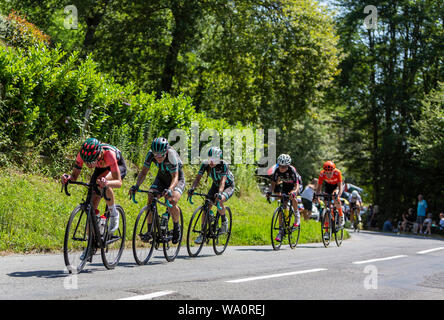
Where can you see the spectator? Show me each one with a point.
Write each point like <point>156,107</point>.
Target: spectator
<point>441,221</point>
<point>388,227</point>
<point>407,220</point>
<point>421,212</point>
<point>307,198</point>
<point>428,223</point>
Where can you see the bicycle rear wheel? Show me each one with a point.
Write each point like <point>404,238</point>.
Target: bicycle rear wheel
<point>276,228</point>
<point>114,244</point>
<point>143,238</point>
<point>77,243</point>
<point>195,229</point>
<point>171,250</point>
<point>326,228</point>
<point>293,232</point>
<point>221,239</point>
<point>339,231</point>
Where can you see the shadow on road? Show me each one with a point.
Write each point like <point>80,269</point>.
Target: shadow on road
<point>256,249</point>
<point>48,274</point>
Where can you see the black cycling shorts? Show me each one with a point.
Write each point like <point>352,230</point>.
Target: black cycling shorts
<point>330,188</point>
<point>162,182</point>
<point>228,191</point>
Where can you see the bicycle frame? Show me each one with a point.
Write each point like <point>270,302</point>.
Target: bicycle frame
<point>159,238</point>
<point>97,241</point>
<point>285,200</point>
<point>206,209</point>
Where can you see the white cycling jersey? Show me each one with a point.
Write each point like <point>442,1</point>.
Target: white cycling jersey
<point>353,200</point>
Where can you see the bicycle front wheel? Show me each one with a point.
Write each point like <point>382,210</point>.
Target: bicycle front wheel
<point>339,231</point>
<point>114,244</point>
<point>221,236</point>
<point>326,229</point>
<point>170,249</point>
<point>143,238</point>
<point>77,243</point>
<point>276,228</point>
<point>196,234</point>
<point>293,232</point>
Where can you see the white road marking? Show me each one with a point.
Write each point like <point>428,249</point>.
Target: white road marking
<point>380,259</point>
<point>430,250</point>
<point>149,296</point>
<point>276,275</point>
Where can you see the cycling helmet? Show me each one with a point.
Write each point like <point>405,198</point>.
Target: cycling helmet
<point>215,153</point>
<point>355,194</point>
<point>90,150</point>
<point>329,166</point>
<point>159,145</point>
<point>284,160</point>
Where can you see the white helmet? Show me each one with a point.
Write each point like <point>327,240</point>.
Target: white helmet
<point>355,194</point>
<point>284,160</point>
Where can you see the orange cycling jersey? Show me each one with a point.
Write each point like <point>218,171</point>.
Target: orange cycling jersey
<point>335,179</point>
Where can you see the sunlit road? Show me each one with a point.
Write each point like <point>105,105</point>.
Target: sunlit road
<point>367,266</point>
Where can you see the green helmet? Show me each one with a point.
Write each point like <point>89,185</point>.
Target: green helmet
<point>215,152</point>
<point>159,145</point>
<point>90,150</point>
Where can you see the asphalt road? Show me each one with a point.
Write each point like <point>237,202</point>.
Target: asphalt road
<point>368,266</point>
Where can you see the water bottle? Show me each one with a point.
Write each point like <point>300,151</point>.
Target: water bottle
<point>102,224</point>
<point>164,221</point>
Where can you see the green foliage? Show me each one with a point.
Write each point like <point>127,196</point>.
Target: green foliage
<point>377,97</point>
<point>17,31</point>
<point>52,99</point>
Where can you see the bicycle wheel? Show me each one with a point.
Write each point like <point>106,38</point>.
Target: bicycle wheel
<point>77,243</point>
<point>143,239</point>
<point>195,229</point>
<point>114,244</point>
<point>326,229</point>
<point>293,232</point>
<point>221,239</point>
<point>171,250</point>
<point>339,231</point>
<point>275,229</point>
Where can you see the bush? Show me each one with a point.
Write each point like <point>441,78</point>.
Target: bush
<point>16,31</point>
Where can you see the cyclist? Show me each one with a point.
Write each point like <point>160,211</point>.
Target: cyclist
<point>109,171</point>
<point>287,176</point>
<point>333,185</point>
<point>223,184</point>
<point>169,182</point>
<point>355,203</point>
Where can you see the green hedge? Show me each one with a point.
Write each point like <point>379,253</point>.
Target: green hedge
<point>51,100</point>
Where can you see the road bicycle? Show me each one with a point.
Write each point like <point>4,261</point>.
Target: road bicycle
<point>354,213</point>
<point>86,233</point>
<point>284,225</point>
<point>149,236</point>
<point>330,221</point>
<point>208,226</point>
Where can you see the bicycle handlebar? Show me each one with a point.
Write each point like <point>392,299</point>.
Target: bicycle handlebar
<point>282,196</point>
<point>88,185</point>
<point>205,196</point>
<point>155,193</point>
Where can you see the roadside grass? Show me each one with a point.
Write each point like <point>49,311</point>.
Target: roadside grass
<point>34,213</point>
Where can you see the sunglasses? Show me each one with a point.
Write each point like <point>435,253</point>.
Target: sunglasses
<point>159,154</point>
